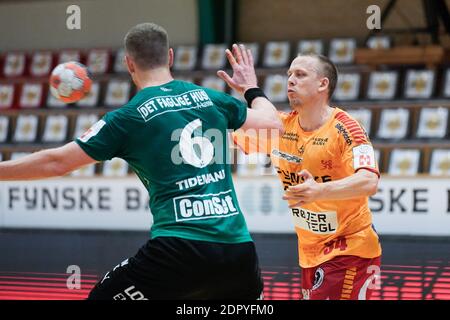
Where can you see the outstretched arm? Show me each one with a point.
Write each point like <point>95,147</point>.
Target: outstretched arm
<point>263,113</point>
<point>46,163</point>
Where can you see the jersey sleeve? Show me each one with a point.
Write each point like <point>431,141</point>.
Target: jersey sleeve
<point>357,150</point>
<point>233,109</point>
<point>104,140</point>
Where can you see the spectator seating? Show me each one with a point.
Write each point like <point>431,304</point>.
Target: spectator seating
<point>398,94</point>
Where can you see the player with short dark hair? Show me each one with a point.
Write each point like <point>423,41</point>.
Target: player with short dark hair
<point>147,44</point>
<point>174,135</point>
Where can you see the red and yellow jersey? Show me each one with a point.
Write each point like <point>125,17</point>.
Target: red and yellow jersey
<point>325,228</point>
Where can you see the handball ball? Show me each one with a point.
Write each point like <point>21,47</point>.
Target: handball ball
<point>70,82</point>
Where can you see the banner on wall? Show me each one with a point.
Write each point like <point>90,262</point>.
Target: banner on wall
<point>70,203</point>
<point>403,206</point>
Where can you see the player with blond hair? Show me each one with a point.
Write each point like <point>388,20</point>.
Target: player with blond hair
<point>327,166</point>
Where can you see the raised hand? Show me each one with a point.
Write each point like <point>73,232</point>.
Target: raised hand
<point>244,76</point>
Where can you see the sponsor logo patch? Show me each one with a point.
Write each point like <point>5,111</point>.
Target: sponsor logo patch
<point>341,130</point>
<point>204,206</point>
<point>316,222</point>
<point>319,275</point>
<point>292,136</point>
<point>363,157</point>
<point>286,156</point>
<point>319,141</point>
<point>158,105</point>
<point>92,131</point>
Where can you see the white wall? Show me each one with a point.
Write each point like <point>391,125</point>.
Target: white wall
<point>42,24</point>
<point>402,206</point>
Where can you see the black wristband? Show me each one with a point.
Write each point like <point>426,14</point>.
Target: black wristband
<point>253,93</point>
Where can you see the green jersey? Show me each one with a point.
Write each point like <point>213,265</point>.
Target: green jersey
<point>175,138</point>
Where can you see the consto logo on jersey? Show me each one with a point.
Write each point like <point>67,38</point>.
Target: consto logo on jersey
<point>204,206</point>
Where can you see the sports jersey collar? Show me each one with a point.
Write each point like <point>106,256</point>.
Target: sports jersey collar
<point>326,124</point>
<point>161,85</point>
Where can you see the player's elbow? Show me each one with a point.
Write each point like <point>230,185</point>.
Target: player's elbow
<point>60,170</point>
<point>275,123</point>
<point>261,119</point>
<point>372,184</point>
<point>272,122</point>
<point>56,166</point>
<point>373,190</point>
<point>368,182</point>
<point>278,125</point>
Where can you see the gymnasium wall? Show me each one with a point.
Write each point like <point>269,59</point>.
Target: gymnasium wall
<point>292,20</point>
<point>31,25</point>
<point>402,206</point>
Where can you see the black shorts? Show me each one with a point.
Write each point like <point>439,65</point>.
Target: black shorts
<point>175,268</point>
